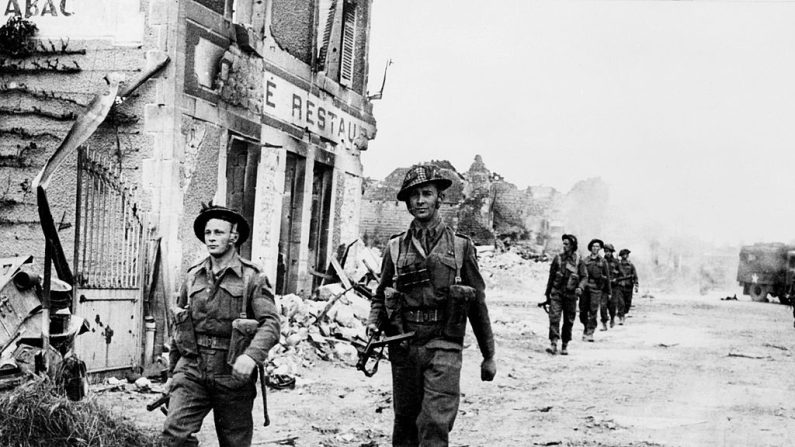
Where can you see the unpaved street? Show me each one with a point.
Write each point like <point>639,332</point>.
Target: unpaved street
<point>684,371</point>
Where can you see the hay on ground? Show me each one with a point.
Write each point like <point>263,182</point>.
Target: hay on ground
<point>38,414</point>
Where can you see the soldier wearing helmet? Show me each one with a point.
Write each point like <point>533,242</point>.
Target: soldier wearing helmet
<point>628,280</point>
<point>430,285</point>
<point>567,278</point>
<point>615,306</point>
<point>209,368</point>
<point>597,291</point>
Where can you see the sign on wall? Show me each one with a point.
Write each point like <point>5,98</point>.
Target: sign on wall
<point>292,104</point>
<point>119,20</point>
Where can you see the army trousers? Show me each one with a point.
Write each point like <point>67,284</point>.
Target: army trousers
<point>565,306</point>
<point>426,394</point>
<point>589,308</point>
<point>617,302</point>
<point>626,292</point>
<point>203,384</point>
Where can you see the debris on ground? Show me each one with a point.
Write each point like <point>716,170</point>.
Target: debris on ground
<point>730,298</point>
<point>37,413</point>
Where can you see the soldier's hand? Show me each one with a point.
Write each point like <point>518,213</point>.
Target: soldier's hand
<point>244,366</point>
<point>167,386</point>
<point>488,369</point>
<point>636,288</point>
<point>578,292</point>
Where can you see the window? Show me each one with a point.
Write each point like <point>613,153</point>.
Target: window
<point>336,41</point>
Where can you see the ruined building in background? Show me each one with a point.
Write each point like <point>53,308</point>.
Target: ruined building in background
<point>262,107</point>
<point>480,204</point>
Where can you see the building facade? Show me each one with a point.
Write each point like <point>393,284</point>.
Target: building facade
<point>262,107</point>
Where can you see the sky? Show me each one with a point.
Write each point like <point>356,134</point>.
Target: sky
<point>685,108</point>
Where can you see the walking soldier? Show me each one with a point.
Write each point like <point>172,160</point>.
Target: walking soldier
<point>567,278</point>
<point>597,291</point>
<point>628,279</point>
<point>616,304</point>
<point>430,284</point>
<point>225,324</point>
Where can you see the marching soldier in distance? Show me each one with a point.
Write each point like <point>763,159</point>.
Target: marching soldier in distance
<point>567,278</point>
<point>597,290</point>
<point>628,279</point>
<point>616,304</point>
<point>430,284</point>
<point>225,323</point>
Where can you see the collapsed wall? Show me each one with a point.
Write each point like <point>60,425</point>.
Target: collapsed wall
<point>479,204</point>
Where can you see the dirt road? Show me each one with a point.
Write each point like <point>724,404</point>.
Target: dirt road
<point>683,371</point>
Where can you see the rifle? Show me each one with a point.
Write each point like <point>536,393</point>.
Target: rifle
<point>164,399</point>
<point>545,305</point>
<point>375,342</point>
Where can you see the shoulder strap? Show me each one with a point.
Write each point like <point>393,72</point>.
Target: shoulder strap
<point>394,252</point>
<point>459,247</point>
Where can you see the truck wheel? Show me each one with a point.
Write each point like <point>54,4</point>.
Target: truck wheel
<point>758,293</point>
<point>784,299</point>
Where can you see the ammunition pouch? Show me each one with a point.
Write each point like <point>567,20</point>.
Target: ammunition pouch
<point>243,331</point>
<point>572,282</point>
<point>458,299</point>
<point>184,335</point>
<point>394,304</point>
<point>415,275</point>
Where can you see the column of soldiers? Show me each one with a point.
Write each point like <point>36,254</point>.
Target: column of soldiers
<point>226,321</point>
<point>603,286</point>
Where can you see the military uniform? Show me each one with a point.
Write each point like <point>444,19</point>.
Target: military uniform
<point>200,357</point>
<point>616,304</point>
<point>627,282</point>
<point>567,273</point>
<point>423,265</point>
<point>596,293</point>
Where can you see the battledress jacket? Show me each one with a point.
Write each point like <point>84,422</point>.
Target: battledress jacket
<point>214,304</point>
<point>629,276</point>
<point>441,265</point>
<point>562,269</point>
<point>598,273</point>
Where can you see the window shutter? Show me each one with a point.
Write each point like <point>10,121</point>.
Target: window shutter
<point>348,44</point>
<point>325,22</point>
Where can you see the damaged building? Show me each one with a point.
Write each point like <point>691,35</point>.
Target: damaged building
<point>480,204</point>
<point>260,105</point>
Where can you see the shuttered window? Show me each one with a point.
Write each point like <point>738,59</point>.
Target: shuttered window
<point>336,41</point>
<point>348,44</point>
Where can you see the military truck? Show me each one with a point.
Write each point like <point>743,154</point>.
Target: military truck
<point>767,268</point>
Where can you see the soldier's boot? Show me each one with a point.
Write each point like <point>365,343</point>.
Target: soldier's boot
<point>612,321</point>
<point>564,349</point>
<point>621,320</point>
<point>604,326</point>
<point>589,338</point>
<point>553,348</point>
<point>584,335</point>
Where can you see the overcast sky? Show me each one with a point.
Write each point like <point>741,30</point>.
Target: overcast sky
<point>686,108</point>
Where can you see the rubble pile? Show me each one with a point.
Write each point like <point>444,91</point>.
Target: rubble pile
<point>327,326</point>
<point>510,270</point>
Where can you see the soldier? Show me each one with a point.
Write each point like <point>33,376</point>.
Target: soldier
<point>430,284</point>
<point>215,348</point>
<point>567,278</point>
<point>597,291</point>
<point>628,279</point>
<point>616,304</point>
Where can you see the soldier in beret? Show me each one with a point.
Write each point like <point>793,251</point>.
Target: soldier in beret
<point>628,279</point>
<point>597,292</point>
<point>210,368</point>
<point>430,284</point>
<point>567,278</point>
